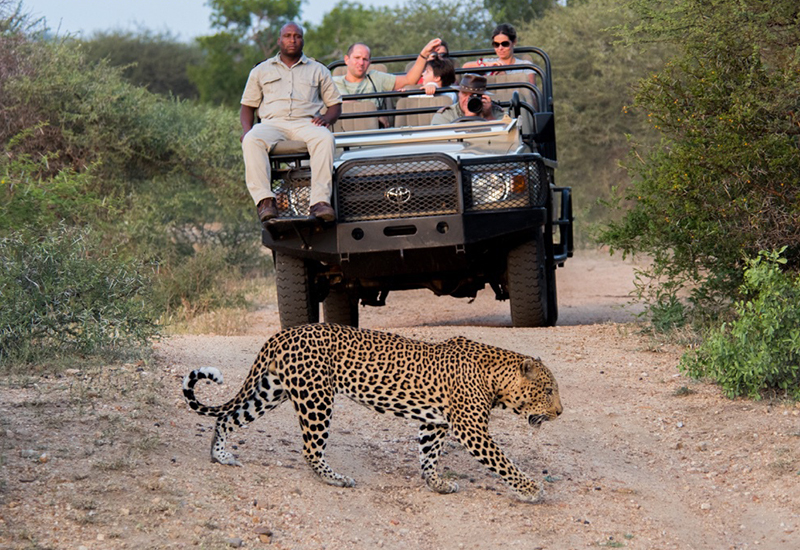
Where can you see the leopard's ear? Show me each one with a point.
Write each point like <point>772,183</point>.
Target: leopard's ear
<point>527,366</point>
<point>530,367</point>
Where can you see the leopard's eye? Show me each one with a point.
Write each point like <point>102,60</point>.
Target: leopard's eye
<point>548,391</point>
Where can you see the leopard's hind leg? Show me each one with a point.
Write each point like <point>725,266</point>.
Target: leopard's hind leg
<point>314,411</point>
<point>264,396</point>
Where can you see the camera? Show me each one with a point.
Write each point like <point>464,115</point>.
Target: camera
<point>475,103</point>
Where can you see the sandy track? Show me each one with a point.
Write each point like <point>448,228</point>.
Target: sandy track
<point>641,458</point>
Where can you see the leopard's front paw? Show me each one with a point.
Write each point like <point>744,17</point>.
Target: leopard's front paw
<point>225,458</point>
<point>338,480</point>
<point>442,486</point>
<point>532,494</point>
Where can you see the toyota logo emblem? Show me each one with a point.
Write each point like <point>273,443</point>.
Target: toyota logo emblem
<point>398,195</point>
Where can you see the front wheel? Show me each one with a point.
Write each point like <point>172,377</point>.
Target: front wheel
<point>552,299</point>
<point>527,285</point>
<point>297,304</point>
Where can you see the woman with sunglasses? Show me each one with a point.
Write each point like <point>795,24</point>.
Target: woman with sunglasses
<point>504,38</point>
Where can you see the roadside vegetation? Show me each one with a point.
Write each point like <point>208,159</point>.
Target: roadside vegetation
<point>123,213</point>
<point>716,203</point>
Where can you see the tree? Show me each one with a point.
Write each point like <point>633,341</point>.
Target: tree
<point>517,12</point>
<point>154,60</point>
<point>340,28</point>
<point>723,183</point>
<point>593,78</point>
<point>404,29</point>
<point>255,21</point>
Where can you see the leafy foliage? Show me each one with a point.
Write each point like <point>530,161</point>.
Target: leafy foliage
<point>404,29</point>
<point>593,78</point>
<point>156,180</point>
<point>759,351</point>
<point>63,293</point>
<point>518,11</point>
<point>28,200</point>
<point>156,61</point>
<point>723,183</point>
<point>257,21</point>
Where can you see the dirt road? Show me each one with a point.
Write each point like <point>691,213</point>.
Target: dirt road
<point>641,458</point>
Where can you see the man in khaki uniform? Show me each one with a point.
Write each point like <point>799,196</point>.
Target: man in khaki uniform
<point>471,84</point>
<point>289,91</point>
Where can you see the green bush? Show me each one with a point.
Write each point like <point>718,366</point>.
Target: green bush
<point>157,61</point>
<point>759,351</point>
<point>194,285</point>
<point>29,199</point>
<point>156,179</point>
<point>723,182</point>
<point>64,293</point>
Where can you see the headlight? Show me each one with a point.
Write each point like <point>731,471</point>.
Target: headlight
<point>490,188</point>
<point>499,188</point>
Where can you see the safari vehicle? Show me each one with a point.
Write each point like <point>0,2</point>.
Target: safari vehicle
<point>451,208</point>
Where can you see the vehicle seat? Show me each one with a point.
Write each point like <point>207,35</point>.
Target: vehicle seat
<point>419,119</point>
<point>356,124</point>
<point>287,155</point>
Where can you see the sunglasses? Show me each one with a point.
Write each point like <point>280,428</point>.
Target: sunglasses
<point>504,44</point>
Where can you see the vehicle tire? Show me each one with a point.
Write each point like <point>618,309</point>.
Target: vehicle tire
<point>527,285</point>
<point>552,299</point>
<point>341,308</point>
<point>297,304</point>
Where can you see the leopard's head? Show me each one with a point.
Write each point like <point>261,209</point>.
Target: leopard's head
<point>533,392</point>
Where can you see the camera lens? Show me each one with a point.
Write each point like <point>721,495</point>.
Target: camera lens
<point>475,103</point>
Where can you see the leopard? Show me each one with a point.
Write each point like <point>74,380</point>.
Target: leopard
<point>448,387</point>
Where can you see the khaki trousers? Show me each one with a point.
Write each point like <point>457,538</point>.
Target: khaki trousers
<point>266,133</point>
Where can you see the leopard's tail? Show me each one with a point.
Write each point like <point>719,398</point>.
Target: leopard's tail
<point>193,378</point>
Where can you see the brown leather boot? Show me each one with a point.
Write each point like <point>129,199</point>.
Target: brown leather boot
<point>323,211</point>
<point>267,209</point>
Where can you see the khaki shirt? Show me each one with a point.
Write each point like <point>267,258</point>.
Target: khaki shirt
<point>453,112</point>
<point>290,93</point>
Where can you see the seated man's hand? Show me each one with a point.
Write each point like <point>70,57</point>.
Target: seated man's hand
<point>320,120</point>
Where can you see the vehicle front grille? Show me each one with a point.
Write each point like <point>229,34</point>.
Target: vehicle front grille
<point>420,185</point>
<point>397,187</point>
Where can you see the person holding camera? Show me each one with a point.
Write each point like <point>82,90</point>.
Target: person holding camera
<point>473,101</point>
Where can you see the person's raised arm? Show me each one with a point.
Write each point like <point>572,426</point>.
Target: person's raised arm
<point>414,74</point>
